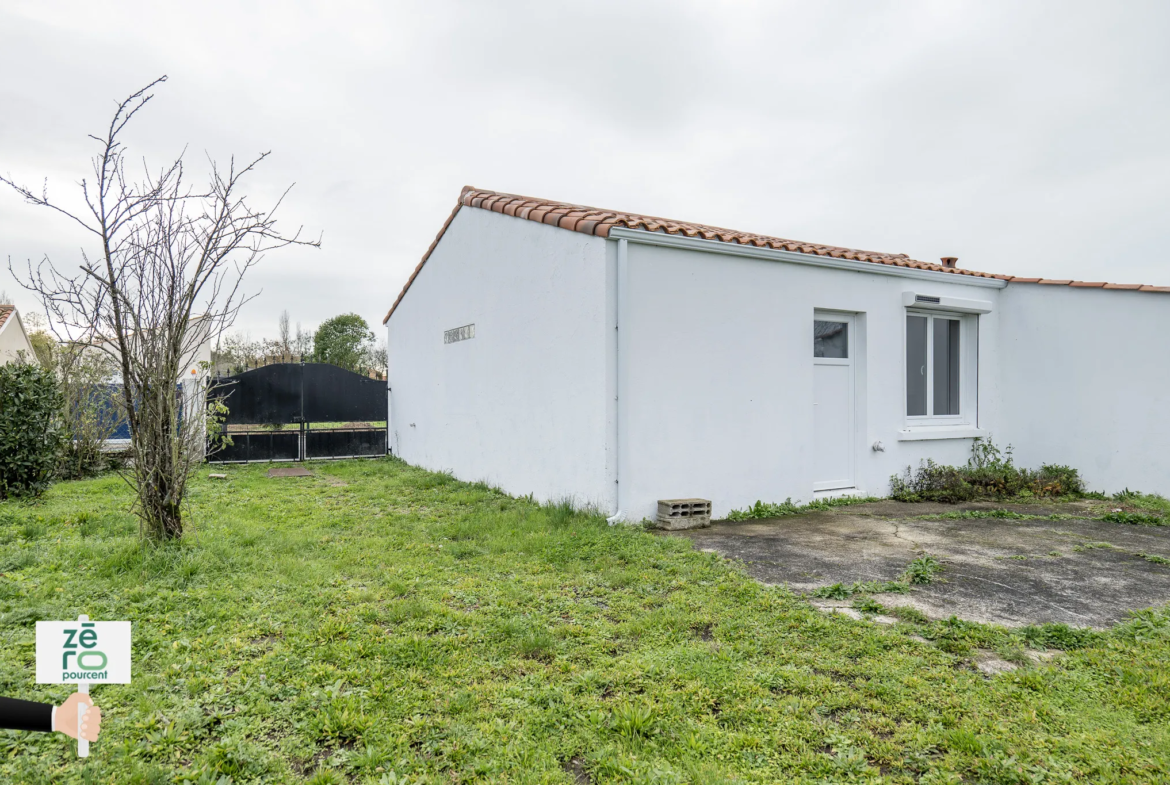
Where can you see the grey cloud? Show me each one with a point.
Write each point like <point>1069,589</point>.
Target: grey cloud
<point>1025,138</point>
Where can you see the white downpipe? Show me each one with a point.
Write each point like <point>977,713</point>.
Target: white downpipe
<point>620,355</point>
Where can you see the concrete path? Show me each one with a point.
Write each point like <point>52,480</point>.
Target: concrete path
<point>1083,573</point>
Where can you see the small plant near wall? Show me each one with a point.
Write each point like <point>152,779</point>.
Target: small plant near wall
<point>989,473</point>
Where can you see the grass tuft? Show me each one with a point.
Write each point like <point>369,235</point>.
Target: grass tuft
<point>922,570</point>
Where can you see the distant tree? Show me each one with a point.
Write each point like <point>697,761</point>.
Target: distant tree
<point>5,299</point>
<point>302,342</point>
<point>43,345</point>
<point>42,341</point>
<point>378,358</point>
<point>236,351</point>
<point>344,340</point>
<point>285,339</point>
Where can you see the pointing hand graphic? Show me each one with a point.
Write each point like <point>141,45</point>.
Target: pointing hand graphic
<point>65,718</point>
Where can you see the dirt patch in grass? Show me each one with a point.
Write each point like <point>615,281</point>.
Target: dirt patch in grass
<point>704,632</point>
<point>575,768</point>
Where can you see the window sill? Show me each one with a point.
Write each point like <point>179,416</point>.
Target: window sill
<point>926,432</point>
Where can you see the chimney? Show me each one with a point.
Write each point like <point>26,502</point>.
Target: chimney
<point>949,261</point>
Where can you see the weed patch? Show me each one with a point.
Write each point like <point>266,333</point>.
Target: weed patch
<point>921,571</point>
<point>989,473</point>
<point>761,510</point>
<point>841,591</point>
<point>1137,518</point>
<point>966,515</point>
<point>1092,546</point>
<point>867,605</point>
<point>907,614</point>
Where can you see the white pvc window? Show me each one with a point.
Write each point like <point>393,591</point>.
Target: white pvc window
<point>831,339</point>
<point>936,361</point>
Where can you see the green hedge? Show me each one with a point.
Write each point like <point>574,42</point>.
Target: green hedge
<point>31,429</point>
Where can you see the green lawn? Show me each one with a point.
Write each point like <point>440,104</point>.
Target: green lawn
<point>381,624</point>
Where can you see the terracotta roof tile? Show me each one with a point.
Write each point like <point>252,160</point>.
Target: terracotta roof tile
<point>593,221</point>
<point>5,312</point>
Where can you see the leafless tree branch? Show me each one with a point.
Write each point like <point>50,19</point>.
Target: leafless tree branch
<point>164,286</point>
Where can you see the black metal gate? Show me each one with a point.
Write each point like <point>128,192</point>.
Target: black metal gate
<point>323,402</point>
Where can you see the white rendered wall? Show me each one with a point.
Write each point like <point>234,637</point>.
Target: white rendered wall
<point>1086,382</point>
<point>522,405</point>
<point>13,340</point>
<point>717,397</point>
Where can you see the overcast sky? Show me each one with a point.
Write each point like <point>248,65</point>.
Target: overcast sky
<point>1029,138</point>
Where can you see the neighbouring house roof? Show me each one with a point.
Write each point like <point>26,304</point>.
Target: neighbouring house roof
<point>598,222</point>
<point>5,312</point>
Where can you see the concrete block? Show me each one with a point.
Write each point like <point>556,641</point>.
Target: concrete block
<point>676,514</point>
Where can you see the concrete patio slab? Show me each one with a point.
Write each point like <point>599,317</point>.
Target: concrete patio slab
<point>1084,573</point>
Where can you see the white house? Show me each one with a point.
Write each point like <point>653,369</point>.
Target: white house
<point>13,338</point>
<point>618,359</point>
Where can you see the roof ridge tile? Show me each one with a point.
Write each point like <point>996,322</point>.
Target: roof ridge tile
<point>598,222</point>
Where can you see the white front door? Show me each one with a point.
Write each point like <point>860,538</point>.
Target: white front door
<point>833,448</point>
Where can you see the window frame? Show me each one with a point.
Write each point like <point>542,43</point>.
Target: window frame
<point>834,317</point>
<point>968,369</point>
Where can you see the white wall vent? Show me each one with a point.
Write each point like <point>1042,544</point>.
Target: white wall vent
<point>943,303</point>
<point>459,333</point>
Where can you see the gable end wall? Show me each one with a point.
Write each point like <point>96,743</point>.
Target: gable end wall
<point>522,405</point>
